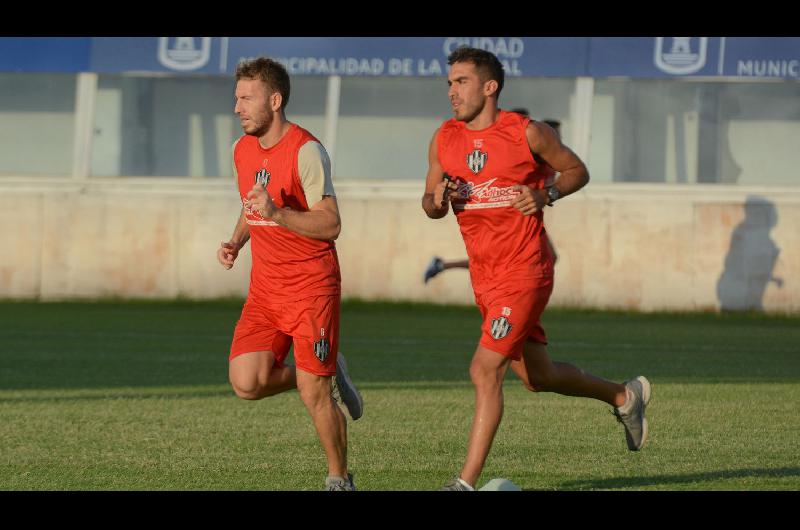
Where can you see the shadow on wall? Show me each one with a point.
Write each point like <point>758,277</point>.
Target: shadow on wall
<point>751,258</point>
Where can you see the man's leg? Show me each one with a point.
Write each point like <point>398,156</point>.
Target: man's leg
<point>329,421</point>
<point>254,375</point>
<point>487,371</point>
<point>540,374</point>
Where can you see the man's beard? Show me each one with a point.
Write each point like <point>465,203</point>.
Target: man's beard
<point>261,129</point>
<point>466,118</point>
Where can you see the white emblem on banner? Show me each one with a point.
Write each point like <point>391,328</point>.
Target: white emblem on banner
<point>181,53</point>
<point>681,55</point>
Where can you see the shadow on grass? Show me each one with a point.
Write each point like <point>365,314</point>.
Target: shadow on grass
<point>662,480</point>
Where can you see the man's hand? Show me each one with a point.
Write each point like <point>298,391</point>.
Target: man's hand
<point>227,253</point>
<point>530,200</point>
<point>444,191</point>
<point>258,200</point>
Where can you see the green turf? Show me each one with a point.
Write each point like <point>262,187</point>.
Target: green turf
<point>134,396</point>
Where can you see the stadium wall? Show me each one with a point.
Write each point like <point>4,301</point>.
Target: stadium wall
<point>628,246</point>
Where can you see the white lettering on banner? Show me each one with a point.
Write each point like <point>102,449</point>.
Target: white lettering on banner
<point>765,68</point>
<point>375,66</point>
<point>433,68</point>
<point>512,48</point>
<point>332,66</point>
<point>511,68</point>
<point>400,67</point>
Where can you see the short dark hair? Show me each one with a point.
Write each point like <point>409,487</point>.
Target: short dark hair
<point>555,124</point>
<point>486,63</point>
<point>271,72</point>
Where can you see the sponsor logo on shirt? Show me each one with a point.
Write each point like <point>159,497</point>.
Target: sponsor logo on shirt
<point>483,195</point>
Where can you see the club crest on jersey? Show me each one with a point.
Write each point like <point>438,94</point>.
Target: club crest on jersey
<point>262,177</point>
<point>321,349</point>
<point>476,160</point>
<point>500,328</point>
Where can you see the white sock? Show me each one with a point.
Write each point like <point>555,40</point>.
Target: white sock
<point>465,484</point>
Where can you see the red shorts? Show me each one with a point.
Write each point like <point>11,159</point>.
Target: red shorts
<point>511,318</point>
<point>311,323</point>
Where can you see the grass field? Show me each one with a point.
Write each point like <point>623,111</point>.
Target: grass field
<point>134,396</point>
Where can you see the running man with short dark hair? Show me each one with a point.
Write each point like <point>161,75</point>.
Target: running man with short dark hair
<point>482,163</point>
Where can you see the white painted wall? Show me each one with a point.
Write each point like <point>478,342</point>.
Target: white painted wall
<point>632,246</point>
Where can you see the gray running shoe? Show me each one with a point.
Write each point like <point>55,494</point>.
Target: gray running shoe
<point>455,485</point>
<point>434,267</point>
<point>334,483</point>
<point>634,421</point>
<point>344,391</point>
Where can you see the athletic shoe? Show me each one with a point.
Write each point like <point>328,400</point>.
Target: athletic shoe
<point>456,484</point>
<point>334,483</point>
<point>344,391</point>
<point>434,267</point>
<point>633,418</point>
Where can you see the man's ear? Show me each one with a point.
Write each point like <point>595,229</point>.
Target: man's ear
<point>275,101</point>
<point>490,87</point>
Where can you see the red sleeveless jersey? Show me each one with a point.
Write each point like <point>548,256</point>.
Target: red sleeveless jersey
<point>502,244</point>
<point>286,265</point>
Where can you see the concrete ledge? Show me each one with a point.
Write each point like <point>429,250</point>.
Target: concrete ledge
<point>621,245</point>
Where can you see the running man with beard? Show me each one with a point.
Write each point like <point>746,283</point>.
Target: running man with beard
<point>290,215</point>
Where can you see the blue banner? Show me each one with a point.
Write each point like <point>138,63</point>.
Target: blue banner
<point>641,57</point>
<point>38,54</point>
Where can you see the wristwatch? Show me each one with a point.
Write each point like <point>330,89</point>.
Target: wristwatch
<point>552,195</point>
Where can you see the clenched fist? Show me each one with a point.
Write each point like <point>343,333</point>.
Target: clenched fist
<point>258,200</point>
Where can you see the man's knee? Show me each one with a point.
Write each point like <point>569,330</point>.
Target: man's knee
<point>484,376</point>
<point>315,391</point>
<point>250,391</point>
<point>243,393</point>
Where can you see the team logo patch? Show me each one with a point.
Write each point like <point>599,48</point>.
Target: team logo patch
<point>262,177</point>
<point>321,349</point>
<point>476,160</point>
<point>500,328</point>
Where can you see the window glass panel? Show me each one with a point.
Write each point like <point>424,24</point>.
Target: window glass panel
<point>37,123</point>
<point>386,125</point>
<point>180,126</point>
<point>689,131</point>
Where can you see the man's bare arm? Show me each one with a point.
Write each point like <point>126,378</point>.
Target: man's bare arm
<point>322,221</point>
<point>543,141</point>
<point>229,250</point>
<point>438,192</point>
